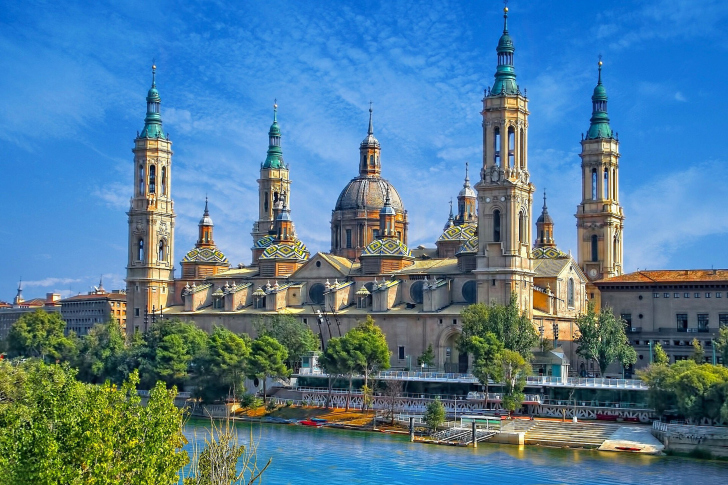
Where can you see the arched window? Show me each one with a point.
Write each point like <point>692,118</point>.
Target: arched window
<point>164,180</point>
<point>521,228</point>
<point>141,179</point>
<point>522,154</point>
<point>152,178</point>
<point>605,189</point>
<point>496,146</point>
<point>615,250</point>
<point>496,226</point>
<point>140,250</point>
<point>570,293</point>
<point>594,184</point>
<point>160,256</point>
<point>594,248</point>
<point>511,147</point>
<point>371,160</point>
<point>265,201</point>
<point>614,186</point>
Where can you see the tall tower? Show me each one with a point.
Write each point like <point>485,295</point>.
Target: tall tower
<point>545,228</point>
<point>149,271</point>
<point>505,194</point>
<point>599,217</point>
<point>466,202</point>
<point>273,182</point>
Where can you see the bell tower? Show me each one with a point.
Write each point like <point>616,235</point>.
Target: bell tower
<point>505,194</point>
<point>600,217</point>
<point>272,184</point>
<point>149,270</point>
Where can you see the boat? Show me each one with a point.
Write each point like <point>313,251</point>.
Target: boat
<point>309,422</point>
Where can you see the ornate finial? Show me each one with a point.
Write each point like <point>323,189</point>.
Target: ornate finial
<point>207,213</point>
<point>600,69</point>
<point>450,207</point>
<point>154,73</point>
<point>505,16</point>
<point>275,109</point>
<point>371,127</point>
<point>544,199</point>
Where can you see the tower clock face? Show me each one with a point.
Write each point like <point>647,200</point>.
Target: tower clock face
<point>592,272</point>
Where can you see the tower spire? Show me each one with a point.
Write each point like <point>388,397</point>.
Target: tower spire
<point>545,227</point>
<point>599,122</point>
<point>274,157</point>
<point>371,126</point>
<point>505,75</point>
<point>153,119</point>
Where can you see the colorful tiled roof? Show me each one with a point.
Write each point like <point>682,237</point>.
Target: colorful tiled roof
<point>286,251</point>
<point>462,232</point>
<point>548,253</point>
<point>205,255</point>
<point>264,242</point>
<point>387,247</point>
<point>669,276</point>
<point>469,247</point>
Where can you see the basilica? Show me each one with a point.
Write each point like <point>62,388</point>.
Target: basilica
<point>487,250</point>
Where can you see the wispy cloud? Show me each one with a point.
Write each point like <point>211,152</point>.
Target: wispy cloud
<point>50,281</point>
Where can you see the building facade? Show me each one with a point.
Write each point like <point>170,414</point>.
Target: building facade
<point>81,312</point>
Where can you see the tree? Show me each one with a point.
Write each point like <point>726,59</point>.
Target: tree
<point>40,334</point>
<point>170,347</point>
<point>660,357</point>
<point>267,359</point>
<point>368,346</point>
<point>221,369</point>
<point>515,369</point>
<point>292,333</point>
<point>427,358</point>
<point>512,328</point>
<point>392,392</point>
<point>721,345</point>
<point>602,338</point>
<point>698,354</point>
<point>56,429</point>
<point>337,360</point>
<point>486,351</point>
<point>101,354</point>
<point>434,415</point>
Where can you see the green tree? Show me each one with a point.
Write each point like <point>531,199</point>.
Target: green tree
<point>698,354</point>
<point>660,356</point>
<point>434,415</point>
<point>56,429</point>
<point>602,338</point>
<point>486,351</point>
<point>509,326</point>
<point>661,387</point>
<point>101,354</point>
<point>427,358</point>
<point>721,345</point>
<point>40,334</point>
<point>515,370</point>
<point>292,333</point>
<point>267,359</point>
<point>221,369</point>
<point>337,360</point>
<point>367,344</point>
<point>170,347</point>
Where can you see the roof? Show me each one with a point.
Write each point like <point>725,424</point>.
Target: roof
<point>206,255</point>
<point>387,247</point>
<point>468,247</point>
<point>432,266</point>
<point>237,273</point>
<point>286,251</point>
<point>462,232</point>
<point>550,268</point>
<point>548,253</point>
<point>368,192</point>
<point>669,276</point>
<point>98,296</point>
<point>339,262</point>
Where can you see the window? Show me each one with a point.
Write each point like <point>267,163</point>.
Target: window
<point>218,303</point>
<point>521,230</point>
<point>655,295</point>
<point>375,234</point>
<point>348,238</point>
<point>686,295</point>
<point>718,294</point>
<point>570,293</point>
<point>723,320</point>
<point>703,321</point>
<point>160,256</point>
<point>136,312</point>
<point>594,248</point>
<point>511,147</point>
<point>140,250</point>
<point>141,179</point>
<point>707,295</point>
<point>605,189</point>
<point>521,155</point>
<point>496,146</point>
<point>666,295</point>
<point>265,201</point>
<point>454,321</point>
<point>496,226</point>
<point>152,178</point>
<point>697,295</point>
<point>164,180</point>
<point>682,322</point>
<point>594,184</point>
<point>676,295</point>
<point>400,352</point>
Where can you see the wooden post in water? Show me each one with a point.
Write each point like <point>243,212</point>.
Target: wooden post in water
<point>475,439</point>
<point>412,428</point>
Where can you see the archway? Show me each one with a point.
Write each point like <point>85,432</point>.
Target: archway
<point>453,360</point>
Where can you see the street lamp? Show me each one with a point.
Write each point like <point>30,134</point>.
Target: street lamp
<point>556,333</point>
<point>650,344</point>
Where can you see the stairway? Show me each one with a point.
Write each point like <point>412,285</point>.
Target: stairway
<point>568,434</point>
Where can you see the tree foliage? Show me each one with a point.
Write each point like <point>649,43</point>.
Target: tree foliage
<point>602,338</point>
<point>40,334</point>
<point>487,352</point>
<point>434,415</point>
<point>698,354</point>
<point>102,354</point>
<point>515,370</point>
<point>696,391</point>
<point>512,328</point>
<point>220,369</point>
<point>338,360</point>
<point>267,359</point>
<point>367,344</point>
<point>292,333</point>
<point>721,345</point>
<point>427,358</point>
<point>660,356</point>
<point>55,429</point>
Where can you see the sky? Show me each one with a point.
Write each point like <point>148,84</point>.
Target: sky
<point>74,75</point>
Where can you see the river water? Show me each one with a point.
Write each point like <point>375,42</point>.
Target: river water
<point>303,455</point>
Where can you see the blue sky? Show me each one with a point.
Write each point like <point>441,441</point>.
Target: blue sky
<point>73,77</point>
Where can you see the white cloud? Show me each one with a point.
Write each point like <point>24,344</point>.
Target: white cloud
<point>50,281</point>
<point>680,97</point>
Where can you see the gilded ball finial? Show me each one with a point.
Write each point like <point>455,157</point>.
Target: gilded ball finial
<point>600,63</point>
<point>505,9</point>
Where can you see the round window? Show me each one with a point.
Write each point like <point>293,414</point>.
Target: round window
<point>470,291</point>
<point>416,291</point>
<point>316,294</point>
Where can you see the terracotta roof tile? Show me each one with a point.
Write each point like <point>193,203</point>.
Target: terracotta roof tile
<point>668,276</point>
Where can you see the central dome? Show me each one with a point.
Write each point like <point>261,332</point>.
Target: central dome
<point>368,192</point>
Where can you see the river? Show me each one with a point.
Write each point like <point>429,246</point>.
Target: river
<point>303,455</point>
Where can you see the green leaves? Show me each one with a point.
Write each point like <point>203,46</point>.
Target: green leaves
<point>434,415</point>
<point>602,338</point>
<point>40,334</point>
<point>267,359</point>
<point>292,333</point>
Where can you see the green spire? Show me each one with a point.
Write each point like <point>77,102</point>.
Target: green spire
<point>505,74</point>
<point>275,154</point>
<point>153,120</point>
<point>599,127</point>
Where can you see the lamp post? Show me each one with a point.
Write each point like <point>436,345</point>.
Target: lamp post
<point>556,333</point>
<point>712,346</point>
<point>650,344</point>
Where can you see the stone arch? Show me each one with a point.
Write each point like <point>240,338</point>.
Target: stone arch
<point>448,356</point>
